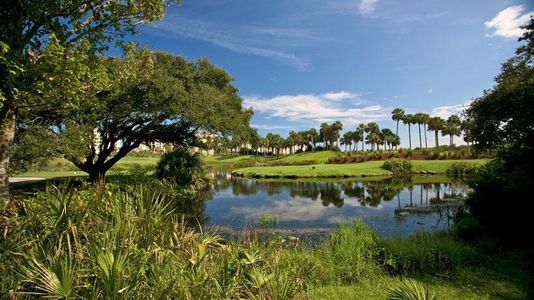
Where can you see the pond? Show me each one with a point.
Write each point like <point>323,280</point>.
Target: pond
<point>391,207</point>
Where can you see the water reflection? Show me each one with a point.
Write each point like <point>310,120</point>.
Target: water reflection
<point>419,203</point>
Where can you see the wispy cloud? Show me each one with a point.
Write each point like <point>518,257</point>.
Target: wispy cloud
<point>367,7</point>
<point>326,107</point>
<point>507,23</point>
<point>269,127</point>
<point>339,96</point>
<point>270,42</point>
<point>449,110</point>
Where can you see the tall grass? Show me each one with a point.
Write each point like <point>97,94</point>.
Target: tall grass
<point>131,242</point>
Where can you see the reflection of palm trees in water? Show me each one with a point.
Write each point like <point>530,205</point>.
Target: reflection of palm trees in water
<point>331,194</point>
<point>370,193</point>
<point>426,187</point>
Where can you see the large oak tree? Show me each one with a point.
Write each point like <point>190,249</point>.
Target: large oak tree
<point>26,29</point>
<point>145,97</point>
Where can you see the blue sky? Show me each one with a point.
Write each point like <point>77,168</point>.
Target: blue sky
<point>299,63</point>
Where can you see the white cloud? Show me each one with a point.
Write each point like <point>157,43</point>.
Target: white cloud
<point>318,108</point>
<point>265,42</point>
<point>269,127</point>
<point>507,23</point>
<point>367,7</point>
<point>338,96</point>
<point>449,110</point>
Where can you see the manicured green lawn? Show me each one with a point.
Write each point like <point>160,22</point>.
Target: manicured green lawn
<point>370,168</point>
<point>318,156</point>
<point>314,157</point>
<point>231,158</point>
<point>143,161</point>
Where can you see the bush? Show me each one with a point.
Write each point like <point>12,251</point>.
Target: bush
<point>462,168</point>
<point>409,289</point>
<point>425,253</point>
<point>399,167</point>
<point>181,167</point>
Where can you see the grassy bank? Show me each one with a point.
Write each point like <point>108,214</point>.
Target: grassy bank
<point>63,168</point>
<point>127,242</point>
<point>370,168</point>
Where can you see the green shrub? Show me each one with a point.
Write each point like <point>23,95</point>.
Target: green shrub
<point>409,289</point>
<point>179,166</point>
<point>399,167</point>
<point>425,253</point>
<point>350,251</point>
<point>462,168</point>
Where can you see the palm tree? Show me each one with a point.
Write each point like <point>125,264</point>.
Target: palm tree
<point>335,128</point>
<point>374,130</point>
<point>419,119</point>
<point>397,115</point>
<point>467,127</point>
<point>323,134</point>
<point>292,140</point>
<point>346,140</point>
<point>452,128</point>
<point>312,137</point>
<point>356,137</point>
<point>436,124</point>
<point>409,120</point>
<point>425,118</point>
<point>388,137</point>
<point>361,129</point>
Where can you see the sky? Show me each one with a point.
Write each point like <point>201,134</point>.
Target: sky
<point>303,62</point>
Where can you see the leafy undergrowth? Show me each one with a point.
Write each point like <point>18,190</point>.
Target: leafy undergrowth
<point>130,241</point>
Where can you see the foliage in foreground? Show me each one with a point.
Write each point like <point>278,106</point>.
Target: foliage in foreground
<point>129,241</point>
<point>410,290</point>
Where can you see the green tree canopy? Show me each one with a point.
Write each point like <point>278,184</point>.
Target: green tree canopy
<point>27,29</point>
<point>151,97</point>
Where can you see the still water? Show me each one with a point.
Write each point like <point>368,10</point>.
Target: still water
<point>391,207</point>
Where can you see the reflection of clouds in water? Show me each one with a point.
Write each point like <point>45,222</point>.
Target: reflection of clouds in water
<point>239,203</point>
<point>292,209</point>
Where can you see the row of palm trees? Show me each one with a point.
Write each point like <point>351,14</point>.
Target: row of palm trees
<point>452,126</point>
<point>329,136</point>
<point>375,137</point>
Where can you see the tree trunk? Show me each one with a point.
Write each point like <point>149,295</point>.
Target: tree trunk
<point>410,136</point>
<point>420,141</point>
<point>97,176</point>
<point>426,145</point>
<point>397,131</point>
<point>437,139</point>
<point>7,133</point>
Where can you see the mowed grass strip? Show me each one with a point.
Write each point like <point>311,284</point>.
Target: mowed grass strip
<point>318,156</point>
<point>370,168</point>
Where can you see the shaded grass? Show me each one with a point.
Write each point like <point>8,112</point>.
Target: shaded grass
<point>125,164</point>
